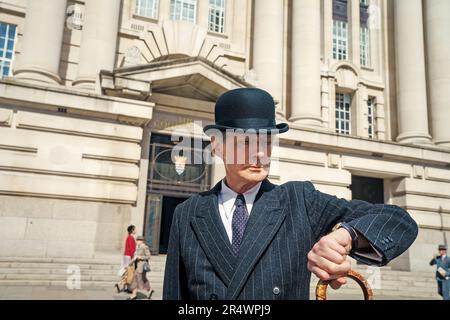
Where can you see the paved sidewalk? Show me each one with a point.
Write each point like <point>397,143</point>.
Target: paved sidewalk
<point>62,293</point>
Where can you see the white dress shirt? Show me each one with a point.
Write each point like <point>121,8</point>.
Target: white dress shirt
<point>227,198</point>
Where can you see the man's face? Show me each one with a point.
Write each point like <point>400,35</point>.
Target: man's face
<point>442,252</point>
<point>246,156</point>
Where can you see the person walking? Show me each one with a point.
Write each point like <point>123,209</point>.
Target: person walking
<point>442,263</point>
<point>141,266</point>
<point>130,248</point>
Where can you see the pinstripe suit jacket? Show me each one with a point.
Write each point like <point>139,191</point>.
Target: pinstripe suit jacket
<point>285,222</point>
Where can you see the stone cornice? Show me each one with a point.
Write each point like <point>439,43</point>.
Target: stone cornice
<point>13,92</point>
<point>325,140</point>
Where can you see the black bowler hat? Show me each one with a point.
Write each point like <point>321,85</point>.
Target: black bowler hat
<point>246,109</point>
<point>442,247</point>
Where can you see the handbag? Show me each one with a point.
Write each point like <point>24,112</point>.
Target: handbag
<point>442,272</point>
<point>130,275</point>
<point>146,267</point>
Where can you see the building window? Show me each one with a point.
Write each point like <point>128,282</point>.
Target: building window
<point>7,41</point>
<point>371,117</point>
<point>364,43</point>
<point>367,189</point>
<point>216,21</point>
<point>343,116</point>
<point>147,8</point>
<point>364,39</point>
<point>184,10</point>
<point>340,30</point>
<point>340,42</point>
<point>364,3</point>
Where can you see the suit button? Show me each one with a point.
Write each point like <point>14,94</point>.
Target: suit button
<point>276,290</point>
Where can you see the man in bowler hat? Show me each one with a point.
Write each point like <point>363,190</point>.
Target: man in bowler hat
<point>247,238</point>
<point>442,263</point>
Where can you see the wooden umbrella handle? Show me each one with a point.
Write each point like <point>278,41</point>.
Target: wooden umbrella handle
<point>321,288</point>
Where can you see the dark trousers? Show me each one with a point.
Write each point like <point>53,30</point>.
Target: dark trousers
<point>444,288</point>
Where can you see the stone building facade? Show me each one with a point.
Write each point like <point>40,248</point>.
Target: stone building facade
<point>93,90</point>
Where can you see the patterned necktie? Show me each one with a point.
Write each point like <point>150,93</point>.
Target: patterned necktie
<point>240,218</point>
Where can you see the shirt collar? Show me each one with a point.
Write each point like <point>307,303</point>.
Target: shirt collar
<point>228,197</point>
<point>227,193</point>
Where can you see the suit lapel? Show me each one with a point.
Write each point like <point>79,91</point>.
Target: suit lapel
<point>267,215</point>
<point>212,236</point>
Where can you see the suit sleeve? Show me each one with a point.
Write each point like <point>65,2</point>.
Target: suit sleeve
<point>174,277</point>
<point>388,228</point>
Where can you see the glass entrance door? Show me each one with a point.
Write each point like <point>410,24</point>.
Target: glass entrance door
<point>153,222</point>
<point>171,180</point>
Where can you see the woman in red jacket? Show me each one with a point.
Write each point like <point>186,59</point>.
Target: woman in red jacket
<point>130,248</point>
<point>130,245</point>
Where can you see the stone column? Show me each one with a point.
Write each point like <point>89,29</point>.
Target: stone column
<point>138,212</point>
<point>268,46</point>
<point>380,118</point>
<point>354,32</point>
<point>362,114</point>
<point>164,10</point>
<point>42,41</point>
<point>332,103</point>
<point>325,97</point>
<point>98,41</point>
<point>410,73</point>
<point>327,27</point>
<point>437,26</point>
<point>203,13</point>
<point>305,105</point>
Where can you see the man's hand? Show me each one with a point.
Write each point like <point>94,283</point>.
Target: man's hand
<point>328,258</point>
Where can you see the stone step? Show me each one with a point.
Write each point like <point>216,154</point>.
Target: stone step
<point>365,271</point>
<point>158,266</point>
<point>63,272</point>
<point>117,261</point>
<point>397,280</point>
<point>392,286</point>
<point>411,276</point>
<point>60,260</point>
<point>158,261</point>
<point>58,283</point>
<point>381,292</point>
<point>103,274</point>
<point>87,274</point>
<point>97,278</point>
